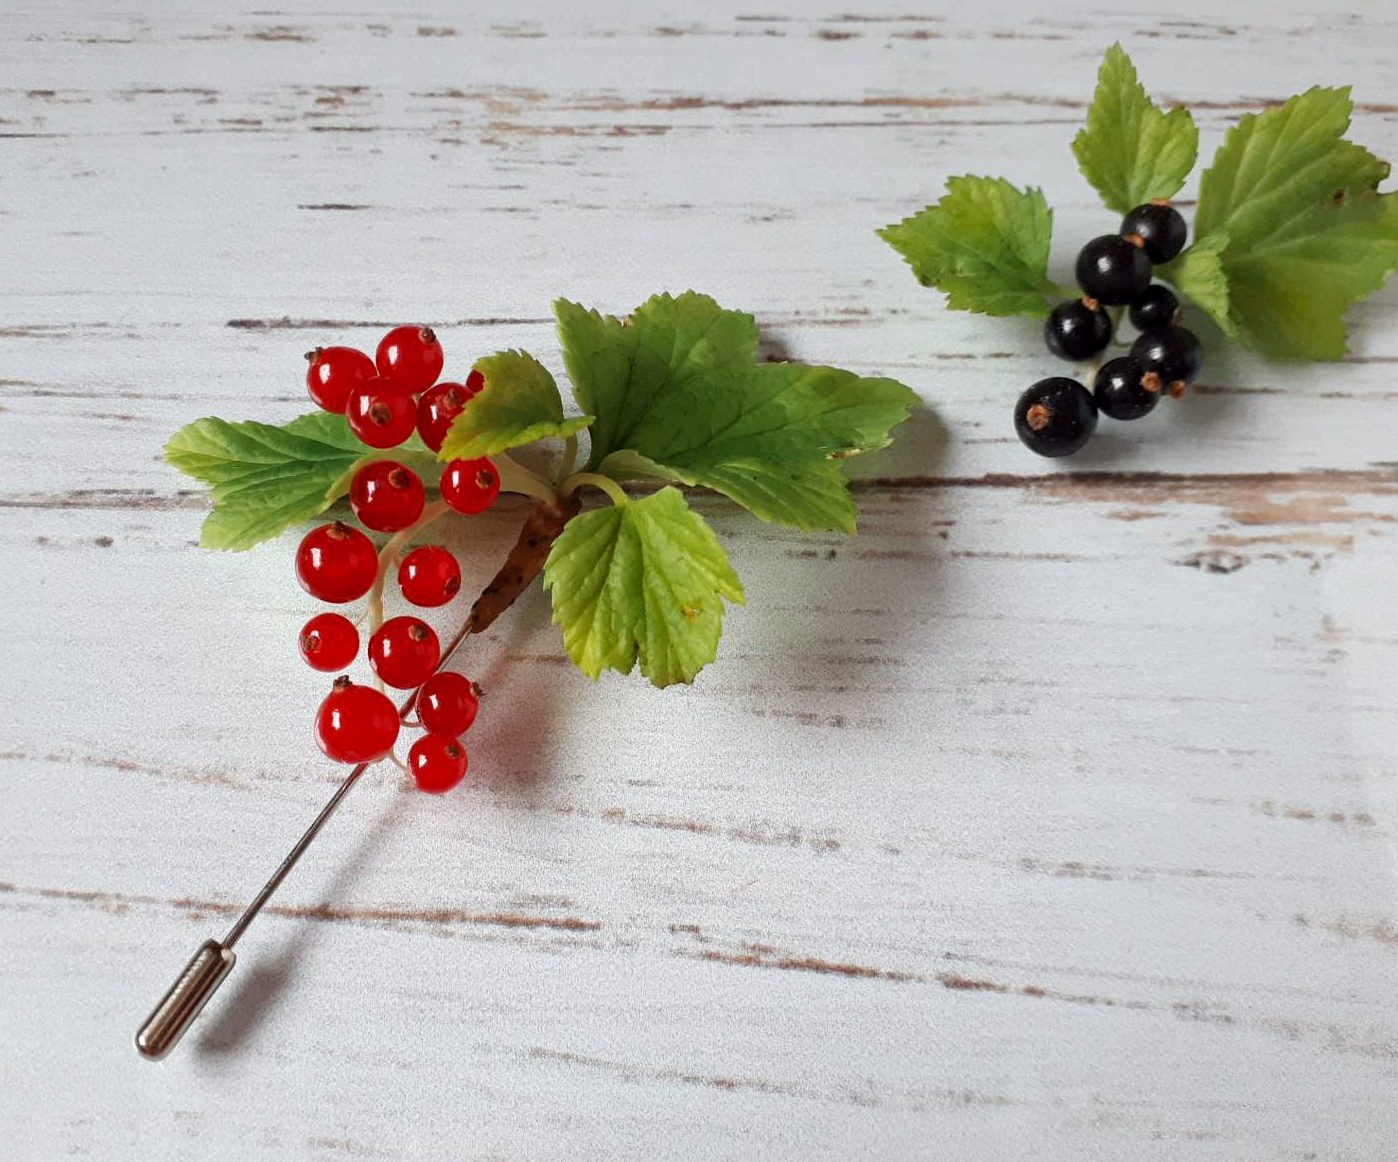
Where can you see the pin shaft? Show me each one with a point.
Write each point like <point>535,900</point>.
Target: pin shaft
<point>214,960</point>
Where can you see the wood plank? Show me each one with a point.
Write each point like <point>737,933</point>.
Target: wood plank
<point>1051,817</point>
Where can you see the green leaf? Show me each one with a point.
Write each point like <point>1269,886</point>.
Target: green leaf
<point>518,405</point>
<point>679,395</point>
<point>1131,150</point>
<point>1198,274</point>
<point>264,479</point>
<point>1308,232</point>
<point>641,581</point>
<point>985,245</point>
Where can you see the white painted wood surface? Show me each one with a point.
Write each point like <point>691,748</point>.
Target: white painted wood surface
<point>1053,817</point>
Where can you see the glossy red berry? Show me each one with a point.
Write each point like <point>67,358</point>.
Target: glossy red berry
<point>470,486</point>
<point>438,762</point>
<point>447,703</point>
<point>410,357</point>
<point>429,576</point>
<point>336,563</point>
<point>378,415</point>
<point>356,724</point>
<point>333,371</point>
<point>329,642</point>
<point>404,651</point>
<point>386,496</point>
<point>440,405</point>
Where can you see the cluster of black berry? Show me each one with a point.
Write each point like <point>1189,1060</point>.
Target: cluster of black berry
<point>1056,416</point>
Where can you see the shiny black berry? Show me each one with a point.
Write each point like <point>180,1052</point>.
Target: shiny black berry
<point>1159,227</point>
<point>1156,306</point>
<point>1112,270</point>
<point>1171,355</point>
<point>1077,329</point>
<point>1120,392</point>
<point>1055,417</point>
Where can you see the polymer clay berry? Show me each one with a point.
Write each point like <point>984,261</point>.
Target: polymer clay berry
<point>438,762</point>
<point>1156,306</point>
<point>329,642</point>
<point>439,406</point>
<point>1120,392</point>
<point>356,724</point>
<point>1170,356</point>
<point>1055,417</point>
<point>336,563</point>
<point>448,703</point>
<point>1078,329</point>
<point>1113,270</point>
<point>470,486</point>
<point>378,415</point>
<point>429,576</point>
<point>404,651</point>
<point>333,372</point>
<point>410,358</point>
<point>387,496</point>
<point>1160,227</point>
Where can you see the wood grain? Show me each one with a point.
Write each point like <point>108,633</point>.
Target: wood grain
<point>1052,817</point>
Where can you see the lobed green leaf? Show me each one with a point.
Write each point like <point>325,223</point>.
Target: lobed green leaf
<point>641,582</point>
<point>1132,151</point>
<point>264,479</point>
<point>985,245</point>
<point>1308,232</point>
<point>518,405</point>
<point>679,395</point>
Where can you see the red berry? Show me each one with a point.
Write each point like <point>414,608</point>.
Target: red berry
<point>429,576</point>
<point>329,642</point>
<point>404,652</point>
<point>411,357</point>
<point>336,563</point>
<point>379,415</point>
<point>470,486</point>
<point>386,496</point>
<point>447,703</point>
<point>356,724</point>
<point>333,371</point>
<point>440,405</point>
<point>438,762</point>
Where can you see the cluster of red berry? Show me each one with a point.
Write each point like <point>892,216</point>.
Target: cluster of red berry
<point>384,400</point>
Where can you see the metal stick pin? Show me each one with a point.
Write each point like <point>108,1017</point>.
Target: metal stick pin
<point>214,959</point>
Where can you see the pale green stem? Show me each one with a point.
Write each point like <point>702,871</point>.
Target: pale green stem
<point>570,458</point>
<point>388,560</point>
<point>515,477</point>
<point>613,490</point>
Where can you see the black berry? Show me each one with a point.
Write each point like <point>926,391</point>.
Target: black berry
<point>1077,329</point>
<point>1171,355</point>
<point>1156,306</point>
<point>1159,227</point>
<point>1055,417</point>
<point>1113,270</point>
<point>1120,392</point>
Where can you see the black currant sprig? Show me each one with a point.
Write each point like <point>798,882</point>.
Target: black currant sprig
<point>1057,416</point>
